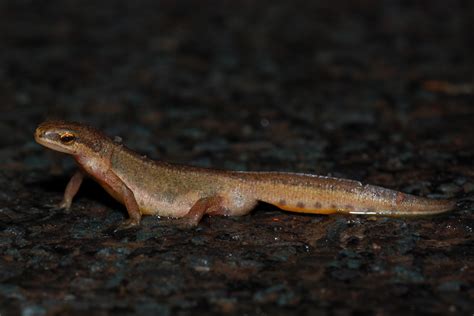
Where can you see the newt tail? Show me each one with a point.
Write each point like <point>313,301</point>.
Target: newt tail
<point>306,193</point>
<point>148,187</point>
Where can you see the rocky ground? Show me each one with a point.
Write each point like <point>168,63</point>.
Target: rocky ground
<point>378,91</point>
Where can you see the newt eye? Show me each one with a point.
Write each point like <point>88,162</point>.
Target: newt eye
<point>67,139</point>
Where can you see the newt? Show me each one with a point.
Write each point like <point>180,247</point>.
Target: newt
<point>150,187</point>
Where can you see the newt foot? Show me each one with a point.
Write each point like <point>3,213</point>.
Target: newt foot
<point>59,207</point>
<point>126,225</point>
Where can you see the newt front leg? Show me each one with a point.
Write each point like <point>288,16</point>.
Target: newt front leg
<point>71,190</point>
<point>116,185</point>
<point>128,198</point>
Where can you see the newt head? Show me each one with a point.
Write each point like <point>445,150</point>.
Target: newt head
<point>69,137</point>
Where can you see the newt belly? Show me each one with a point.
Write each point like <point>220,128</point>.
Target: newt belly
<point>145,186</point>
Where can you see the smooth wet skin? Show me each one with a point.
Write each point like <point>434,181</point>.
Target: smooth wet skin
<point>151,187</point>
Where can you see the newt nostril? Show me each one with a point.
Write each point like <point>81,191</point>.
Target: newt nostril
<point>39,134</point>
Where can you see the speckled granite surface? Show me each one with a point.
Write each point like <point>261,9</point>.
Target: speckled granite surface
<point>378,91</point>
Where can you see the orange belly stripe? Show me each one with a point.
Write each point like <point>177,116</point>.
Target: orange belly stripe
<point>305,210</point>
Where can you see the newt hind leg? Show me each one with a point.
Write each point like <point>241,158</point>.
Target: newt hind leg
<point>201,207</point>
<point>217,205</point>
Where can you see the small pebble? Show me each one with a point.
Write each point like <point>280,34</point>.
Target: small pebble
<point>450,188</point>
<point>468,187</point>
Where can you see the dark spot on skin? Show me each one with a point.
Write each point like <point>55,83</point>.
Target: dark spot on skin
<point>318,205</point>
<point>282,202</point>
<point>333,207</point>
<point>400,198</point>
<point>300,204</point>
<point>96,146</point>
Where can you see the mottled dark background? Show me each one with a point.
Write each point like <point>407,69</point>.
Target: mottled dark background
<point>379,91</point>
